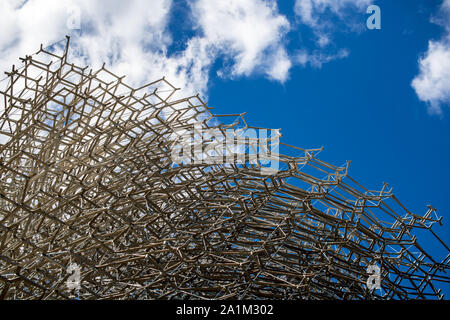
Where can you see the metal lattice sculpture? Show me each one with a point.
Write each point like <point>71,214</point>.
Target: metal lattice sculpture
<point>87,178</point>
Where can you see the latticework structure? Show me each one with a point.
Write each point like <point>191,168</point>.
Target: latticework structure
<point>87,177</point>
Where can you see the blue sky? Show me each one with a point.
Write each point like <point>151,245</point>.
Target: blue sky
<point>352,94</point>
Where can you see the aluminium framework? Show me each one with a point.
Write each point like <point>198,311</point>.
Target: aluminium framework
<point>86,177</point>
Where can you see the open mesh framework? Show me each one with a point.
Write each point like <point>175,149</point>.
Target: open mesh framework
<point>86,177</point>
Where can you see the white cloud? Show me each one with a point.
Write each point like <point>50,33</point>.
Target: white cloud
<point>248,32</point>
<point>279,67</point>
<point>432,84</point>
<point>133,39</point>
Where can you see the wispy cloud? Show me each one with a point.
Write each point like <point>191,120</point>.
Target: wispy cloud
<point>322,15</point>
<point>325,18</point>
<point>317,58</point>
